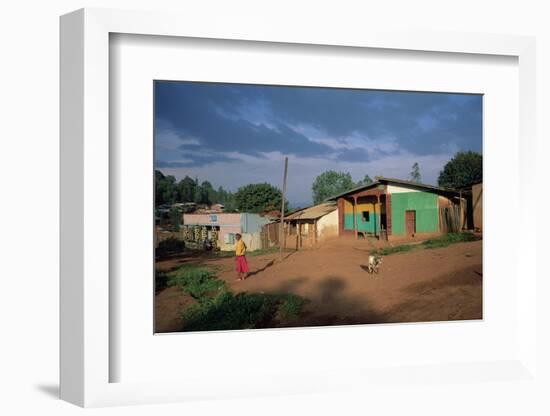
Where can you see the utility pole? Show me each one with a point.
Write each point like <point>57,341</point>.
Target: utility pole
<point>282,225</point>
<point>460,223</point>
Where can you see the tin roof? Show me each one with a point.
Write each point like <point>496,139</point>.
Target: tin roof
<point>381,180</point>
<point>312,213</point>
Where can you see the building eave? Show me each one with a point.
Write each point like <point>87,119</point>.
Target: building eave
<point>393,181</point>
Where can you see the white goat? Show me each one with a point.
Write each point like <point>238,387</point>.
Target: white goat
<point>374,264</point>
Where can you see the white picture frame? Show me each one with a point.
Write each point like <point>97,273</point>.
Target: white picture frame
<point>85,211</point>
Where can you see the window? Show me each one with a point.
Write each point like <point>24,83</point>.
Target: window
<point>366,216</point>
<point>229,238</point>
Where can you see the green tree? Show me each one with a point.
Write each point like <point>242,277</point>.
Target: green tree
<point>186,189</point>
<point>221,195</point>
<point>200,195</point>
<point>208,193</point>
<point>165,188</point>
<point>415,176</point>
<point>330,183</point>
<point>230,204</point>
<point>365,181</point>
<point>159,177</point>
<point>463,169</point>
<point>258,198</point>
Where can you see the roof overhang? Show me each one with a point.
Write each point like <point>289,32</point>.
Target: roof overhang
<point>375,188</point>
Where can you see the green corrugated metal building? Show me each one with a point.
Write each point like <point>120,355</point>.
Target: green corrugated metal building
<point>394,207</point>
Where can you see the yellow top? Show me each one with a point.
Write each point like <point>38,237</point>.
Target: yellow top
<point>240,248</point>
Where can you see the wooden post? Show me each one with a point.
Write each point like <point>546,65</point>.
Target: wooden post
<point>315,231</point>
<point>460,223</point>
<point>355,216</point>
<point>281,228</point>
<point>377,226</point>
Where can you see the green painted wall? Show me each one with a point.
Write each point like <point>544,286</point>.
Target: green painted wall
<point>425,205</point>
<point>362,225</point>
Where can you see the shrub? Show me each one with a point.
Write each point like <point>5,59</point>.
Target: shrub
<point>197,281</point>
<point>447,239</point>
<point>436,242</point>
<point>291,306</point>
<point>392,250</point>
<point>227,311</point>
<point>170,246</point>
<point>161,280</point>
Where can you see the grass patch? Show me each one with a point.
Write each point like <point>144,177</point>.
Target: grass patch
<point>161,280</point>
<point>196,281</point>
<point>227,311</point>
<point>291,306</point>
<point>169,246</point>
<point>386,251</point>
<point>447,239</point>
<point>436,242</point>
<point>217,308</point>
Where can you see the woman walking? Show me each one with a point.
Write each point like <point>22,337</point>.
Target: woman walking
<point>240,259</point>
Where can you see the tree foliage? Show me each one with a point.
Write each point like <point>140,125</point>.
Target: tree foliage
<point>463,169</point>
<point>169,191</point>
<point>258,198</point>
<point>165,190</point>
<point>415,176</point>
<point>330,183</point>
<point>367,180</point>
<point>186,190</point>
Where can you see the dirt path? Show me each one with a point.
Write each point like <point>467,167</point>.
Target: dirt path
<point>420,285</point>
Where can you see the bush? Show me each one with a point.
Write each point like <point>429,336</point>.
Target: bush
<point>442,241</point>
<point>227,311</point>
<point>161,280</point>
<point>447,239</point>
<point>171,245</point>
<point>291,306</point>
<point>197,281</point>
<point>219,309</point>
<point>392,250</point>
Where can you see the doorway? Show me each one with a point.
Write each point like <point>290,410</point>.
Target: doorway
<point>410,222</point>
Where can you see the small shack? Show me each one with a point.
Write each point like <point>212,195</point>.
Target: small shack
<point>307,226</point>
<point>477,205</point>
<point>473,193</point>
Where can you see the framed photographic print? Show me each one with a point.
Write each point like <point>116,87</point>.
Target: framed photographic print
<point>220,153</point>
<point>274,212</point>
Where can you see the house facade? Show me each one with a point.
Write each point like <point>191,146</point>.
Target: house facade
<point>395,208</point>
<point>220,228</point>
<point>306,227</point>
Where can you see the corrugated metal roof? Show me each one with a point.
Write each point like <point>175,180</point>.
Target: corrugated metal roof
<point>312,213</point>
<point>380,180</point>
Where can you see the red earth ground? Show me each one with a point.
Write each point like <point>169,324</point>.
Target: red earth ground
<point>438,284</point>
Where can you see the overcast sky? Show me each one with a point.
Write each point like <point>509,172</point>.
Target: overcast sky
<point>235,134</point>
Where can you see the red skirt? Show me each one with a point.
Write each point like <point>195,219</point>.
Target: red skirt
<point>242,265</point>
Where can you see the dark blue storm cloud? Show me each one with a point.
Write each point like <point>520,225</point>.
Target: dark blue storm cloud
<point>213,122</point>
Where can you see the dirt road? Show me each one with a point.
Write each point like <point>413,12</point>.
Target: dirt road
<point>420,285</point>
